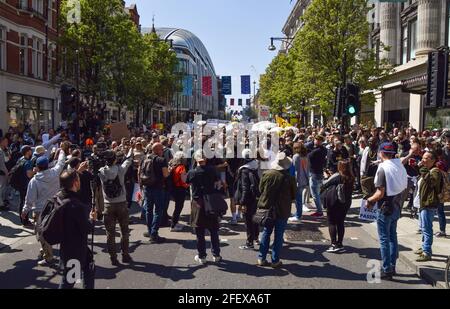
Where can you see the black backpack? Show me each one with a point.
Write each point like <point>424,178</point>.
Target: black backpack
<point>17,175</point>
<point>113,187</point>
<point>147,174</point>
<point>50,225</point>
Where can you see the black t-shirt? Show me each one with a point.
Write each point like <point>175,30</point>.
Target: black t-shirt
<point>202,180</point>
<point>158,164</point>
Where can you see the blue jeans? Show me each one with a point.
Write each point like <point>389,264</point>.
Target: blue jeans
<point>387,232</point>
<point>442,219</point>
<point>279,226</point>
<point>201,243</point>
<point>316,181</point>
<point>299,202</point>
<point>426,218</point>
<point>157,198</point>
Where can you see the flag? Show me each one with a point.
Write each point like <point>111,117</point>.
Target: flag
<point>231,102</point>
<point>207,86</point>
<point>245,84</point>
<point>240,102</point>
<point>188,82</point>
<point>226,85</point>
<point>282,123</point>
<point>248,102</point>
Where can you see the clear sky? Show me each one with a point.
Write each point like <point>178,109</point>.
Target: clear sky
<point>235,32</point>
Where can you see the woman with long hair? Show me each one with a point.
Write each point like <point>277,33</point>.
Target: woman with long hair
<point>337,196</point>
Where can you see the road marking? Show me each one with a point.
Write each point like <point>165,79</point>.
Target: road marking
<point>354,238</point>
<point>224,240</point>
<point>324,240</point>
<point>308,241</point>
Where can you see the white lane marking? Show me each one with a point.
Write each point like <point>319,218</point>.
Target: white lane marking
<point>354,238</point>
<point>308,241</point>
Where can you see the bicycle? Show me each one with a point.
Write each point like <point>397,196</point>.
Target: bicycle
<point>447,274</point>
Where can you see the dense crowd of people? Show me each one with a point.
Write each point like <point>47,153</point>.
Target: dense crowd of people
<point>101,178</point>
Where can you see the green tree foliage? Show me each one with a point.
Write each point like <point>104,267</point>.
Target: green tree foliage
<point>333,30</point>
<point>116,61</point>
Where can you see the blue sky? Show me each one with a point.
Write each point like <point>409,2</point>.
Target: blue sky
<point>235,32</point>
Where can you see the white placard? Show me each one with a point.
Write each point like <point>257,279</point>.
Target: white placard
<point>366,214</point>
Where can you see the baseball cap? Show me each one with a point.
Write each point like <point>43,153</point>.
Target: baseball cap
<point>39,150</point>
<point>42,162</point>
<point>387,148</point>
<point>25,149</point>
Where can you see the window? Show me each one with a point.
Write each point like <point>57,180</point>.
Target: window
<point>23,4</point>
<point>412,39</point>
<point>409,41</point>
<point>50,13</point>
<point>31,112</point>
<point>404,44</point>
<point>2,48</point>
<point>38,6</point>
<point>37,58</point>
<point>23,55</point>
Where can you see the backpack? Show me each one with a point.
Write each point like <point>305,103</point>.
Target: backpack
<point>17,175</point>
<point>113,187</point>
<point>147,174</point>
<point>444,196</point>
<point>50,225</point>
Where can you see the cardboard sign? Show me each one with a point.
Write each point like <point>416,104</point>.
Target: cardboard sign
<point>119,130</point>
<point>366,214</point>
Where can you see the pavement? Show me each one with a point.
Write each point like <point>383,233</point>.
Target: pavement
<point>171,265</point>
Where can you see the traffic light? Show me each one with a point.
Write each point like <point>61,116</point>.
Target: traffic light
<point>352,106</point>
<point>339,102</point>
<point>68,99</point>
<point>437,78</point>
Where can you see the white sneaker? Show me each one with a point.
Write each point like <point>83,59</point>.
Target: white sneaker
<point>45,263</point>
<point>199,260</point>
<point>217,259</point>
<point>294,219</point>
<point>177,228</point>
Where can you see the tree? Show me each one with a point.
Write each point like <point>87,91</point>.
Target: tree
<point>334,30</point>
<point>250,112</point>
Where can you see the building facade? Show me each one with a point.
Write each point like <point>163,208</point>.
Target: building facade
<point>293,23</point>
<point>193,60</point>
<point>29,94</point>
<point>411,30</point>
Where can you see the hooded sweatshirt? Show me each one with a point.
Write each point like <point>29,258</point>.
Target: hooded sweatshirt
<point>110,173</point>
<point>43,186</point>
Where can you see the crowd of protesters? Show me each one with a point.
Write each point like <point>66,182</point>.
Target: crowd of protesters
<point>396,169</point>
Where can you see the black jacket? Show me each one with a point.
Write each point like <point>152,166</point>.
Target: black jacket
<point>247,194</point>
<point>77,228</point>
<point>334,156</point>
<point>317,160</point>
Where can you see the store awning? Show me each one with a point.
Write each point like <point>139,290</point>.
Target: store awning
<point>417,84</point>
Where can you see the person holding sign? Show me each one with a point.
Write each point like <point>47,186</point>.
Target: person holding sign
<point>391,180</point>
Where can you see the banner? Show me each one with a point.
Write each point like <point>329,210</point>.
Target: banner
<point>367,214</point>
<point>188,82</point>
<point>282,123</point>
<point>245,84</point>
<point>207,86</point>
<point>231,102</point>
<point>264,113</point>
<point>119,130</point>
<point>240,102</point>
<point>226,85</point>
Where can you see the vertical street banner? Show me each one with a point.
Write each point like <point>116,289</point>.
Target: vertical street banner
<point>245,84</point>
<point>240,102</point>
<point>231,102</point>
<point>248,102</point>
<point>188,82</point>
<point>226,85</point>
<point>207,86</point>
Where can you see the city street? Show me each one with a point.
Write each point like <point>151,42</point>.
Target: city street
<point>171,265</point>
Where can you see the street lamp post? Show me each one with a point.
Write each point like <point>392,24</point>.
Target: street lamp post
<point>77,100</point>
<point>288,41</point>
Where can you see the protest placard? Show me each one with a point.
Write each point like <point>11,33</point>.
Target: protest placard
<point>367,214</point>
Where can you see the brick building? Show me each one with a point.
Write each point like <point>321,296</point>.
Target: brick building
<point>28,62</point>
